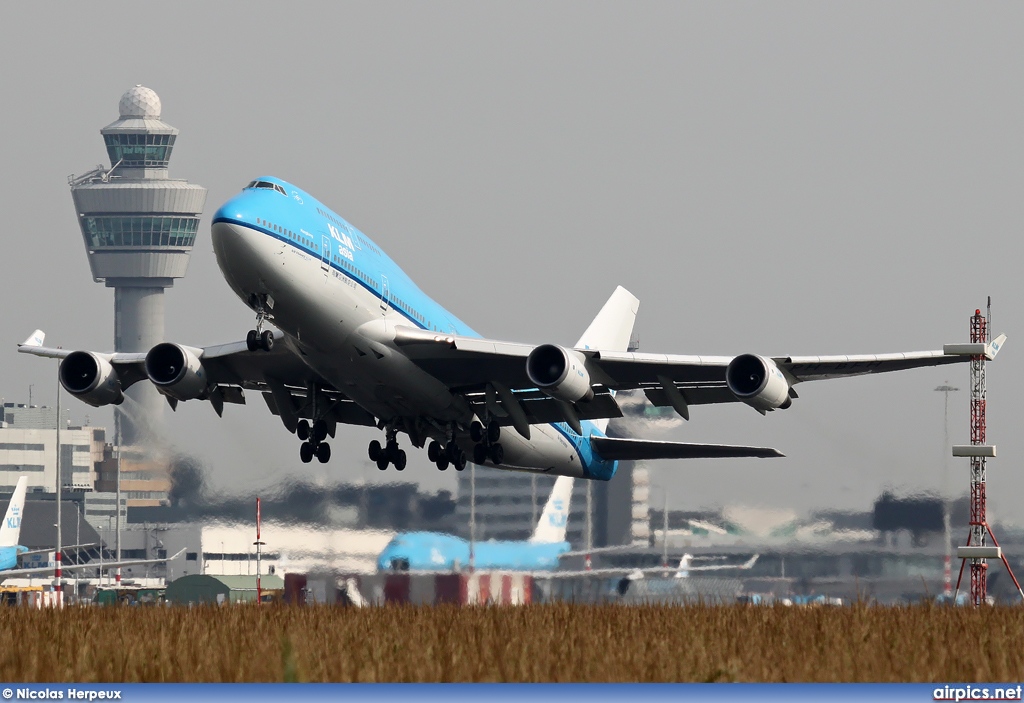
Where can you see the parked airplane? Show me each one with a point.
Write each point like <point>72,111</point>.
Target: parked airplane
<point>363,345</point>
<point>11,551</point>
<point>435,551</point>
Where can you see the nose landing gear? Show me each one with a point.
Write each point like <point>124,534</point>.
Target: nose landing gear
<point>259,338</point>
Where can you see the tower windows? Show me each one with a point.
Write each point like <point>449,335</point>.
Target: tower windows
<point>139,150</point>
<point>126,231</point>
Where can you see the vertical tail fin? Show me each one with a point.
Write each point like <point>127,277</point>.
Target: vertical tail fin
<point>612,328</point>
<point>684,566</point>
<point>10,531</point>
<point>551,526</point>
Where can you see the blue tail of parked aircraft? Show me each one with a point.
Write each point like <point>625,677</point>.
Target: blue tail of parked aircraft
<point>435,551</point>
<point>10,531</point>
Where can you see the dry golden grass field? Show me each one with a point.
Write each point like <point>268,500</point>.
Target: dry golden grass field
<point>537,643</point>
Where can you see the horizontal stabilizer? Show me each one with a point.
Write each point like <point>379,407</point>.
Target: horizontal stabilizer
<point>616,449</point>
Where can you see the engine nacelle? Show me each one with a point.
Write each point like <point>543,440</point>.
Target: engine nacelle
<point>176,372</point>
<point>758,382</point>
<point>90,378</point>
<point>559,372</point>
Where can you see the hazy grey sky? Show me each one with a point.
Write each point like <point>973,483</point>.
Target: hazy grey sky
<point>777,178</point>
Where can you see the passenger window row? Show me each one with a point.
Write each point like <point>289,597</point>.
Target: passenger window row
<point>305,241</point>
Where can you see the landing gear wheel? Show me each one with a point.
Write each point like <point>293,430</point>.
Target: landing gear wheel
<point>323,452</point>
<point>302,430</point>
<point>306,452</point>
<point>479,454</point>
<point>319,430</point>
<point>493,431</point>
<point>452,451</point>
<point>382,463</point>
<point>476,431</point>
<point>460,463</point>
<point>434,451</point>
<point>266,340</point>
<point>497,454</point>
<point>252,340</point>
<point>376,452</point>
<point>400,460</point>
<point>442,463</point>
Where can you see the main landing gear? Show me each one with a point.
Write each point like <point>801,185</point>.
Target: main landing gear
<point>444,454</point>
<point>313,443</point>
<point>260,338</point>
<point>487,446</point>
<point>390,453</point>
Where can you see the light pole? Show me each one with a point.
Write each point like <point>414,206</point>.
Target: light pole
<point>56,572</point>
<point>472,517</point>
<point>947,574</point>
<point>118,420</point>
<point>664,524</point>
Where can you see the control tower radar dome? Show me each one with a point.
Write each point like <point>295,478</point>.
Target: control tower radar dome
<point>140,102</point>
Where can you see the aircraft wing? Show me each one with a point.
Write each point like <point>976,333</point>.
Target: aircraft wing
<point>493,373</point>
<point>279,375</point>
<point>635,573</point>
<point>16,573</point>
<point>68,547</point>
<point>621,449</point>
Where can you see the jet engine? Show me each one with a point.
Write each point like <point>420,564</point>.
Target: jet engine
<point>90,378</point>
<point>559,372</point>
<point>176,372</point>
<point>758,382</point>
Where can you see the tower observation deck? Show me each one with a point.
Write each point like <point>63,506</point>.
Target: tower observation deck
<point>139,227</point>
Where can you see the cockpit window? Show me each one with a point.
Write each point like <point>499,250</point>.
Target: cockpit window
<point>268,185</point>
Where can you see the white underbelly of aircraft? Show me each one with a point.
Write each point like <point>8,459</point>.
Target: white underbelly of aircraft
<point>322,310</point>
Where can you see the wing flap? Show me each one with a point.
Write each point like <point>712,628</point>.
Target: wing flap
<point>620,449</point>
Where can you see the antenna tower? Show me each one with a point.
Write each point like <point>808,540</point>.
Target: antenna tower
<point>977,550</point>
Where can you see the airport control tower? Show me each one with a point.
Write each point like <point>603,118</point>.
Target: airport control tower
<point>139,227</point>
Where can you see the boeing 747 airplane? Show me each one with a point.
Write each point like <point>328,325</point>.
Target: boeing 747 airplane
<point>436,551</point>
<point>361,344</point>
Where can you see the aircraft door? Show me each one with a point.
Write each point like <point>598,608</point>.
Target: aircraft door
<point>325,252</point>
<point>385,294</point>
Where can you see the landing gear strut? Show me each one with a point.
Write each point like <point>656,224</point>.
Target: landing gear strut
<point>260,338</point>
<point>313,444</point>
<point>449,453</point>
<point>487,446</point>
<point>390,453</point>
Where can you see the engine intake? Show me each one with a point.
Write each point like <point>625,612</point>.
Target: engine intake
<point>559,372</point>
<point>758,382</point>
<point>90,378</point>
<point>176,372</point>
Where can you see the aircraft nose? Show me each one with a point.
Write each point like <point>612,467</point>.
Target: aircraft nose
<point>234,209</point>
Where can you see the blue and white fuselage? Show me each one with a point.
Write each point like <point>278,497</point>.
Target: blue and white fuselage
<point>338,298</point>
<point>435,551</point>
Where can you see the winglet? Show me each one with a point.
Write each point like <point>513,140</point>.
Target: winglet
<point>35,339</point>
<point>994,346</point>
<point>986,349</point>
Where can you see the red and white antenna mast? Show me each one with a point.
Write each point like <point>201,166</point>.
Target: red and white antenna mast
<point>977,550</point>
